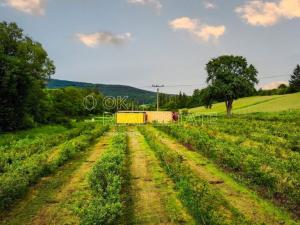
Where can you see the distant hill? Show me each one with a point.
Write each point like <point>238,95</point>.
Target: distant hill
<point>142,96</point>
<point>273,103</point>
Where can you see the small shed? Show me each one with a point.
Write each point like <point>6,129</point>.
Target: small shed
<point>130,117</point>
<point>159,116</point>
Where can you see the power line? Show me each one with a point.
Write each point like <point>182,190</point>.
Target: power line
<point>190,85</point>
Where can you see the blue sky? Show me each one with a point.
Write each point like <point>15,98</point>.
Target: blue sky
<point>145,42</point>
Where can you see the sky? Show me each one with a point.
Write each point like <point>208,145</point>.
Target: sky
<point>165,42</point>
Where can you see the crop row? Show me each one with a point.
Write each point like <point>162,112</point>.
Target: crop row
<point>205,204</point>
<point>15,183</point>
<point>261,143</point>
<point>105,181</point>
<point>285,135</point>
<point>11,138</point>
<point>15,154</point>
<point>272,177</point>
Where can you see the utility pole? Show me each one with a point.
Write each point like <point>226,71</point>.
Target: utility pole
<point>157,94</point>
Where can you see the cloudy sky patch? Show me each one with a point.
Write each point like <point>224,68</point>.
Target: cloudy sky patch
<point>92,40</point>
<point>195,27</point>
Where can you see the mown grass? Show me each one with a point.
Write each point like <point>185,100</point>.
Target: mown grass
<point>274,103</point>
<point>175,212</point>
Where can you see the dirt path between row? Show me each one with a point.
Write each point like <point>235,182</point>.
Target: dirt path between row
<point>44,204</point>
<point>248,203</point>
<point>57,213</point>
<point>151,188</point>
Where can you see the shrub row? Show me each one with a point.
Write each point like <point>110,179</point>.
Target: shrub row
<point>13,155</point>
<point>14,184</point>
<point>106,180</point>
<point>205,204</point>
<point>274,178</point>
<point>280,133</point>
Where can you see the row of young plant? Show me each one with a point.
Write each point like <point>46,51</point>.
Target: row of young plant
<point>15,154</point>
<point>203,202</point>
<point>280,133</point>
<point>274,178</point>
<point>288,116</point>
<point>11,138</point>
<point>261,143</point>
<point>15,183</point>
<point>106,181</point>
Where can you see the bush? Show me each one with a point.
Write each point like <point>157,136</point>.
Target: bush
<point>106,180</point>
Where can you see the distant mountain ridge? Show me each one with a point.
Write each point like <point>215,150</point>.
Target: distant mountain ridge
<point>140,95</point>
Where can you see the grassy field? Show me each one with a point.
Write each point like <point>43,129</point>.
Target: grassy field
<point>239,170</point>
<point>274,103</point>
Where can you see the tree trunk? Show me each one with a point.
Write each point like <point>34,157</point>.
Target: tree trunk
<point>228,107</point>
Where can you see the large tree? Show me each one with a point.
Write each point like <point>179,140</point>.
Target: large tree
<point>229,78</point>
<point>295,79</point>
<point>24,68</point>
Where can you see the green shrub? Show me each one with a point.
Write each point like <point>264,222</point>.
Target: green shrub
<point>259,168</point>
<point>205,204</point>
<point>106,180</point>
<point>15,183</point>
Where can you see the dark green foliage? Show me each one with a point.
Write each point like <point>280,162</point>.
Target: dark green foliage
<point>174,102</point>
<point>295,79</point>
<point>139,95</point>
<point>24,67</point>
<point>63,104</point>
<point>230,78</point>
<point>106,180</point>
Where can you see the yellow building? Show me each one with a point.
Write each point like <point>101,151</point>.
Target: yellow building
<point>130,117</point>
<point>159,116</point>
<point>140,117</point>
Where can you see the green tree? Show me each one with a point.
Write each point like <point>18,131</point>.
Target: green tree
<point>24,67</point>
<point>295,79</point>
<point>229,78</point>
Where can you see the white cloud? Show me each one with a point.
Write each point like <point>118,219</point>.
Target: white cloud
<point>209,5</point>
<point>94,39</point>
<point>184,23</point>
<point>273,85</point>
<point>156,4</point>
<point>33,7</point>
<point>195,27</point>
<point>208,32</point>
<point>265,13</point>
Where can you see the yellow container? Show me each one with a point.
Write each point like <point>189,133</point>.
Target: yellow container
<point>159,116</point>
<point>130,117</point>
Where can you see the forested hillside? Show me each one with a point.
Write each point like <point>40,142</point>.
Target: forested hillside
<point>142,96</point>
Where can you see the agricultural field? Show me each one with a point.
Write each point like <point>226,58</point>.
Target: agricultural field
<point>239,170</point>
